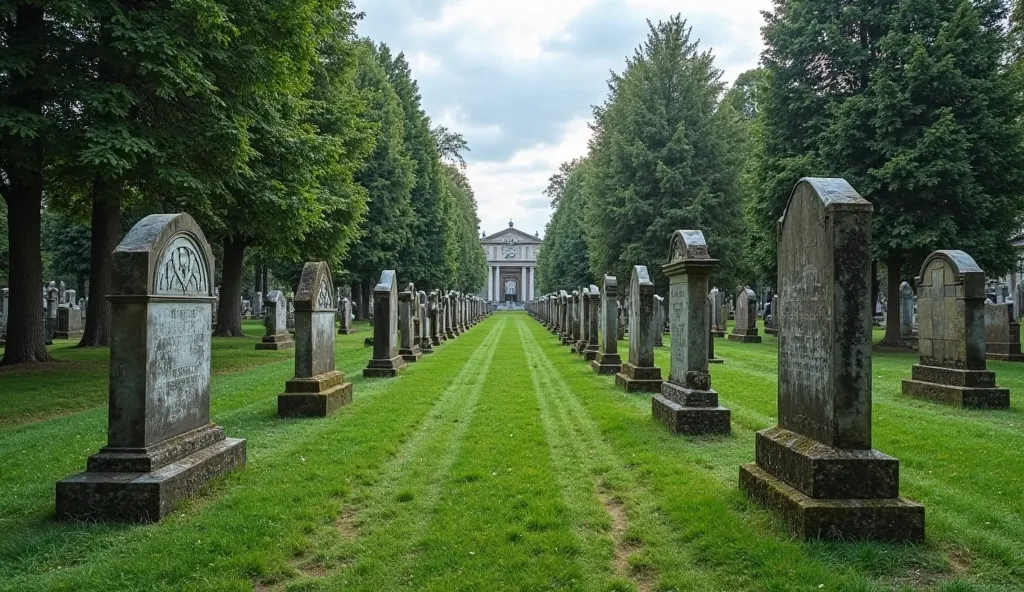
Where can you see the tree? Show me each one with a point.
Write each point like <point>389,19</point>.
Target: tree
<point>66,245</point>
<point>564,262</point>
<point>664,156</point>
<point>5,252</point>
<point>909,100</point>
<point>469,271</point>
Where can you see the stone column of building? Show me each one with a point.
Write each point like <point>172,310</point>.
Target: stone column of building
<point>522,285</point>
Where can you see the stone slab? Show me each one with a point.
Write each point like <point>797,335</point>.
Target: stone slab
<point>744,338</point>
<point>145,497</point>
<point>691,421</point>
<point>384,368</point>
<point>319,404</point>
<point>275,345</point>
<point>894,520</point>
<point>635,379</point>
<point>716,361</point>
<point>152,458</point>
<point>958,396</point>
<point>1000,357</point>
<point>411,356</point>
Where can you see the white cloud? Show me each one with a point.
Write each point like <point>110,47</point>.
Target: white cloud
<point>423,64</point>
<point>455,119</point>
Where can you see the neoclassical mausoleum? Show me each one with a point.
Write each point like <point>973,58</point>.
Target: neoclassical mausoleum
<point>511,265</point>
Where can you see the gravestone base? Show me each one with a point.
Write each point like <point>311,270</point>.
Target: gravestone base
<point>716,360</point>
<point>411,355</point>
<point>637,379</point>
<point>910,342</point>
<point>344,331</point>
<point>566,340</point>
<point>68,334</point>
<point>825,492</point>
<point>276,342</point>
<point>606,363</point>
<point>579,347</point>
<point>590,353</point>
<point>689,411</point>
<point>1004,352</point>
<point>426,347</point>
<point>450,334</point>
<point>318,396</point>
<point>180,470</point>
<point>974,389</point>
<point>717,333</point>
<point>384,368</point>
<point>745,336</point>
<point>771,331</point>
<point>437,340</point>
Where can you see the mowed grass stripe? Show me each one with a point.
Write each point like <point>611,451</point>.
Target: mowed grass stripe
<point>255,523</point>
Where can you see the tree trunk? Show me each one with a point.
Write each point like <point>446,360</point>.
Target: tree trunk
<point>106,220</point>
<point>229,309</point>
<point>25,334</point>
<point>893,334</point>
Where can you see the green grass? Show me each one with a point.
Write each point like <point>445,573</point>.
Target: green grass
<point>501,462</point>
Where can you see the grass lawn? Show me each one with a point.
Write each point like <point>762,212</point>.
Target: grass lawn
<point>501,462</point>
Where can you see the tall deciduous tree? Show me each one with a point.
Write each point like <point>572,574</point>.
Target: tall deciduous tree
<point>664,156</point>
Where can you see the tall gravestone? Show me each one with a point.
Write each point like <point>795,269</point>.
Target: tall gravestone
<point>436,315</point>
<point>593,324</point>
<point>257,304</point>
<point>951,335</point>
<point>608,360</point>
<point>385,362</point>
<point>584,321</point>
<point>407,309</point>
<point>275,322</point>
<point>449,316</point>
<point>712,359</point>
<point>426,339</point>
<point>69,322</point>
<point>907,329</point>
<point>161,446</point>
<point>51,314</point>
<point>345,325</point>
<point>565,306</point>
<point>640,374</point>
<point>317,389</point>
<point>658,321</point>
<point>817,467</point>
<point>1002,334</point>
<point>687,404</point>
<point>771,326</point>
<point>718,313</point>
<point>745,330</point>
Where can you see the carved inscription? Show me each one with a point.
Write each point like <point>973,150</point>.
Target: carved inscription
<point>179,366</point>
<point>678,310</point>
<point>181,270</point>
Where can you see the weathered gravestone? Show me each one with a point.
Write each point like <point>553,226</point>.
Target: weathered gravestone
<point>583,314</point>
<point>711,337</point>
<point>51,315</point>
<point>161,445</point>
<point>771,323</point>
<point>657,321</point>
<point>608,360</point>
<point>276,323</point>
<point>1002,334</point>
<point>3,312</point>
<point>437,336</point>
<point>593,316</point>
<point>687,404</point>
<point>426,342</point>
<point>385,362</point>
<point>907,315</point>
<point>69,321</point>
<point>817,468</point>
<point>407,310</point>
<point>565,316</point>
<point>951,335</point>
<point>317,389</point>
<point>745,330</point>
<point>718,313</point>
<point>345,323</point>
<point>451,324</point>
<point>257,304</point>
<point>640,374</point>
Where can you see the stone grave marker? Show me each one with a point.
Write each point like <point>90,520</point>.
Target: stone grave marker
<point>951,335</point>
<point>3,312</point>
<point>640,374</point>
<point>345,324</point>
<point>426,343</point>
<point>385,362</point>
<point>584,320</point>
<point>51,315</point>
<point>718,310</point>
<point>437,336</point>
<point>1002,334</point>
<point>593,317</point>
<point>657,321</point>
<point>607,360</point>
<point>907,329</point>
<point>407,310</point>
<point>817,467</point>
<point>276,323</point>
<point>687,404</point>
<point>712,359</point>
<point>771,325</point>
<point>257,304</point>
<point>745,330</point>
<point>161,446</point>
<point>69,322</point>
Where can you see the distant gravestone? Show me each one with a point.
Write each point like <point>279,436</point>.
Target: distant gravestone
<point>817,468</point>
<point>687,404</point>
<point>658,321</point>
<point>640,374</point>
<point>407,310</point>
<point>69,323</point>
<point>317,389</point>
<point>771,325</point>
<point>584,315</point>
<point>951,335</point>
<point>437,336</point>
<point>1002,334</point>
<point>565,306</point>
<point>593,324</point>
<point>712,359</point>
<point>451,320</point>
<point>385,362</point>
<point>62,293</point>
<point>51,315</point>
<point>257,304</point>
<point>276,323</point>
<point>718,312</point>
<point>745,330</point>
<point>908,329</point>
<point>161,446</point>
<point>426,343</point>
<point>345,324</point>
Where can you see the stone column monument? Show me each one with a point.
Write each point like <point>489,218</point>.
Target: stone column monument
<point>276,322</point>
<point>772,327</point>
<point>817,468</point>
<point>745,330</point>
<point>436,315</point>
<point>385,362</point>
<point>584,321</point>
<point>687,404</point>
<point>640,374</point>
<point>407,310</point>
<point>951,335</point>
<point>711,337</point>
<point>565,316</point>
<point>161,446</point>
<point>51,314</point>
<point>345,326</point>
<point>907,315</point>
<point>593,324</point>
<point>607,360</point>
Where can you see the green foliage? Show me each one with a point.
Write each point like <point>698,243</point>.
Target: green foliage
<point>66,244</point>
<point>5,252</point>
<point>665,156</point>
<point>470,261</point>
<point>564,262</point>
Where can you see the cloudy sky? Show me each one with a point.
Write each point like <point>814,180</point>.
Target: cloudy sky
<point>518,78</point>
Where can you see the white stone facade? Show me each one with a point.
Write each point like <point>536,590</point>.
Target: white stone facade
<point>511,265</point>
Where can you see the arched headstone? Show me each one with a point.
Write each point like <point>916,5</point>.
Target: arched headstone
<point>276,323</point>
<point>745,330</point>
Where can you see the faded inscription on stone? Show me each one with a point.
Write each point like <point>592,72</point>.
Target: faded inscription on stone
<point>179,368</point>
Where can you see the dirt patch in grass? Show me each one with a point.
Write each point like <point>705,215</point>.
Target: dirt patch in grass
<point>346,524</point>
<point>625,548</point>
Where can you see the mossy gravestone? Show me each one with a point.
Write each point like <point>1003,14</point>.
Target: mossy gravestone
<point>593,323</point>
<point>817,467</point>
<point>687,404</point>
<point>276,323</point>
<point>951,335</point>
<point>745,330</point>
<point>385,362</point>
<point>718,313</point>
<point>161,445</point>
<point>407,311</point>
<point>436,319</point>
<point>640,374</point>
<point>317,390</point>
<point>607,360</point>
<point>1002,334</point>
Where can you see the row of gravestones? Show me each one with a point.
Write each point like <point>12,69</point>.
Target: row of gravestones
<point>817,467</point>
<point>161,444</point>
<point>63,313</point>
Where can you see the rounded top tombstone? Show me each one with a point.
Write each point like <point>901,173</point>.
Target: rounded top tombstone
<point>163,255</point>
<point>316,288</point>
<point>964,270</point>
<point>687,244</point>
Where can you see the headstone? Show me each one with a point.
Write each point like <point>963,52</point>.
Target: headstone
<point>62,293</point>
<point>51,315</point>
<point>687,404</point>
<point>951,335</point>
<point>584,321</point>
<point>345,311</point>
<point>745,330</point>
<point>712,359</point>
<point>290,320</point>
<point>425,342</point>
<point>317,389</point>
<point>718,310</point>
<point>817,468</point>
<point>276,322</point>
<point>593,317</point>
<point>161,446</point>
<point>385,362</point>
<point>657,321</point>
<point>69,323</point>
<point>407,311</point>
<point>907,328</point>
<point>565,316</point>
<point>437,336</point>
<point>771,322</point>
<point>1002,334</point>
<point>607,360</point>
<point>451,320</point>
<point>640,374</point>
<point>257,304</point>
<point>72,300</point>
<point>1018,300</point>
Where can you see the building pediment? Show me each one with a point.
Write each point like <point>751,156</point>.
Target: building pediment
<point>514,234</point>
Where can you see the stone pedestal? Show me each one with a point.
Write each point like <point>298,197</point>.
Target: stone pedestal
<point>975,389</point>
<point>318,396</point>
<point>386,361</point>
<point>689,411</point>
<point>606,363</point>
<point>69,323</point>
<point>276,342</point>
<point>745,336</point>
<point>636,379</point>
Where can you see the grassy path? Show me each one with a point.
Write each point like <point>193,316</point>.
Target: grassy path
<point>502,462</point>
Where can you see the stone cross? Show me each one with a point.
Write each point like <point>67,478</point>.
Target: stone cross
<point>640,374</point>
<point>161,446</point>
<point>385,362</point>
<point>951,335</point>
<point>745,330</point>
<point>407,310</point>
<point>607,360</point>
<point>820,454</point>
<point>276,323</point>
<point>318,389</point>
<point>1002,334</point>
<point>687,404</point>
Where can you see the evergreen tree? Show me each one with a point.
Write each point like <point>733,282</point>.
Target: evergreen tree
<point>664,157</point>
<point>564,262</point>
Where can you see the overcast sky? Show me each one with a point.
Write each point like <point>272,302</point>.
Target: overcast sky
<point>518,78</point>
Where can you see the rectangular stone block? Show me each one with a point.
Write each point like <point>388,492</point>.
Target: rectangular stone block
<point>320,404</point>
<point>690,421</point>
<point>958,396</point>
